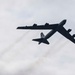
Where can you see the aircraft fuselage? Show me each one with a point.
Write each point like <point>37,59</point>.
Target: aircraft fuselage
<point>55,29</point>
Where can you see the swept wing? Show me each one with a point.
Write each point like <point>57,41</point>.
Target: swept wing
<point>66,34</point>
<point>39,27</point>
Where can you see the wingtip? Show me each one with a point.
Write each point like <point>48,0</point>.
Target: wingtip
<point>32,39</point>
<point>16,28</point>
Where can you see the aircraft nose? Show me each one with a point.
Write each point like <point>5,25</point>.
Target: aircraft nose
<point>64,21</point>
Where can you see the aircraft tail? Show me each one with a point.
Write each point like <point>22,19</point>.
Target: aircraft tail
<point>42,35</point>
<point>42,39</point>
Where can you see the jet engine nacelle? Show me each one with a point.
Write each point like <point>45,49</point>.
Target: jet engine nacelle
<point>47,24</point>
<point>73,35</point>
<point>34,24</point>
<point>69,30</point>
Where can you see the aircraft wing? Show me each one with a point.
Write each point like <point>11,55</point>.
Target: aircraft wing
<point>66,34</point>
<point>39,27</point>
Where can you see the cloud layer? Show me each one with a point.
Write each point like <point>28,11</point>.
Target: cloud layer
<point>19,55</point>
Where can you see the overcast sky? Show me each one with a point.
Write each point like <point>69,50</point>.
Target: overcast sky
<point>19,55</point>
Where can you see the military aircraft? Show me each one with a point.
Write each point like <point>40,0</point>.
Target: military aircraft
<point>54,28</point>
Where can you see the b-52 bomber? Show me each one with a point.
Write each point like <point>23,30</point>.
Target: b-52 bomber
<point>59,27</point>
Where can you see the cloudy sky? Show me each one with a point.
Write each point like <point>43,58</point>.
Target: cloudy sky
<point>19,55</point>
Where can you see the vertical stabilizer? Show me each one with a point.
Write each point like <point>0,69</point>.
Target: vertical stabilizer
<point>42,35</point>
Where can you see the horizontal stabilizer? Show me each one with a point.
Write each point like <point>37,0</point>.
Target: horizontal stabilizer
<point>41,40</point>
<point>38,40</point>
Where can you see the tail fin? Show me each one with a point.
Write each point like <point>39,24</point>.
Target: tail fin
<point>41,40</point>
<point>42,35</point>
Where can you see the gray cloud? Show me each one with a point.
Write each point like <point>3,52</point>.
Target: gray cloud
<point>22,56</point>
